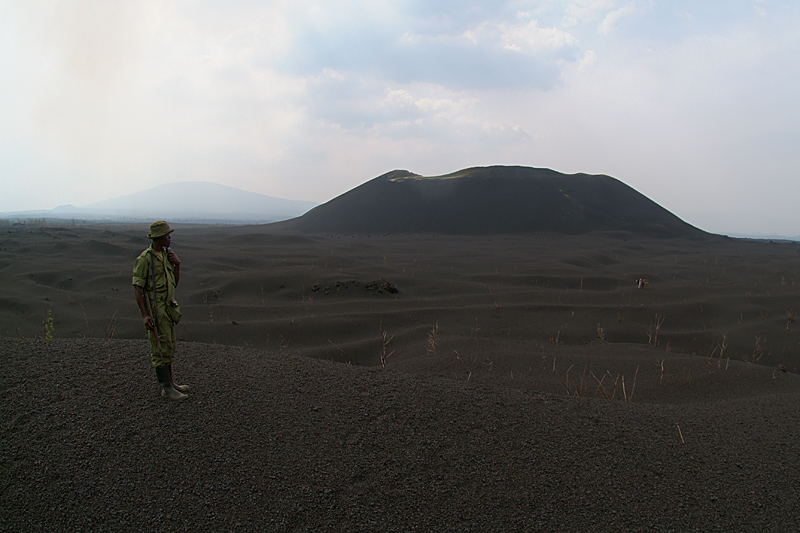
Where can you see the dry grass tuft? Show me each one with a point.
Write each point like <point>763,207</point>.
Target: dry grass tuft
<point>601,332</point>
<point>654,331</point>
<point>720,347</point>
<point>579,385</point>
<point>759,350</point>
<point>430,348</point>
<point>111,327</point>
<point>385,340</point>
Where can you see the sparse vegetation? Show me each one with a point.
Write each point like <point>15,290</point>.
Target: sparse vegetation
<point>686,377</point>
<point>112,325</point>
<point>654,331</point>
<point>283,344</point>
<point>473,332</point>
<point>430,348</point>
<point>344,355</point>
<point>720,347</point>
<point>210,300</point>
<point>47,324</point>
<point>86,321</point>
<point>759,350</point>
<point>380,286</point>
<point>466,365</point>
<point>307,301</point>
<point>579,386</point>
<point>385,340</point>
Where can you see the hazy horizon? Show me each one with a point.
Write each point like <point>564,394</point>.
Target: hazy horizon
<point>690,104</point>
<point>181,201</point>
<point>206,203</point>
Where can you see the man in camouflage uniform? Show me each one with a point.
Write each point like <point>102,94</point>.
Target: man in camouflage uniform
<point>159,267</point>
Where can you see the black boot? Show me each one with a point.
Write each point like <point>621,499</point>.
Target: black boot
<point>165,380</point>
<point>180,388</point>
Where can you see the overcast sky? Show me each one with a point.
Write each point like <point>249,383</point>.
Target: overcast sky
<point>693,103</point>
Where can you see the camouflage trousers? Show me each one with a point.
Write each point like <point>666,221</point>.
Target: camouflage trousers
<point>167,342</point>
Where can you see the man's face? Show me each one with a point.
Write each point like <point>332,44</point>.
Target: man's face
<point>164,241</point>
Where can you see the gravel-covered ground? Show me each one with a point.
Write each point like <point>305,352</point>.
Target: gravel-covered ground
<point>273,442</point>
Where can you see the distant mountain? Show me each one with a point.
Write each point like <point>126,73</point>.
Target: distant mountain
<point>197,201</point>
<point>490,200</point>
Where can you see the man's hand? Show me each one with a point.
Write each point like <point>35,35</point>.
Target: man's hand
<point>173,258</point>
<point>148,323</point>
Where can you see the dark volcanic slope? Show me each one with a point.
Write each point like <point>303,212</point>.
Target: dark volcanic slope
<point>491,200</point>
<point>268,442</point>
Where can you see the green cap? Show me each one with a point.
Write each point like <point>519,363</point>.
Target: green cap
<point>159,228</point>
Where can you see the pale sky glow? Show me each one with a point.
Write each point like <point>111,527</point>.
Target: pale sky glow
<point>692,103</point>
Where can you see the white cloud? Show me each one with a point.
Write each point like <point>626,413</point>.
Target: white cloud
<point>531,39</point>
<point>589,60</point>
<point>523,35</point>
<point>399,97</point>
<point>581,11</point>
<point>613,18</point>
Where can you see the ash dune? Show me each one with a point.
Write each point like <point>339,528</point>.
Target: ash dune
<point>488,296</point>
<point>491,200</point>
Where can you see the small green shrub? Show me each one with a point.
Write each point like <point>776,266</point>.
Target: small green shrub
<point>47,324</point>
